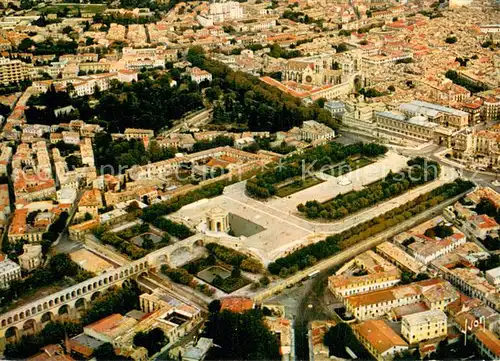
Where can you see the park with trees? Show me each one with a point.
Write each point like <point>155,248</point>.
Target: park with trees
<point>234,258</point>
<point>151,100</point>
<point>126,241</point>
<point>266,184</point>
<point>309,255</point>
<point>183,277</point>
<point>247,102</point>
<point>238,98</point>
<point>240,336</point>
<point>419,171</point>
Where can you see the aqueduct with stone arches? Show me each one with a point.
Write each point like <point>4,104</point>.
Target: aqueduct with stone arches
<point>165,254</point>
<point>32,317</point>
<point>68,303</point>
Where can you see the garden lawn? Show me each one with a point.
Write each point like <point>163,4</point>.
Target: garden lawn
<point>297,186</point>
<point>349,166</point>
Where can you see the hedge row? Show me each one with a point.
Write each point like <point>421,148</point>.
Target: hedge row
<point>326,156</point>
<point>420,171</point>
<point>234,258</point>
<point>309,255</point>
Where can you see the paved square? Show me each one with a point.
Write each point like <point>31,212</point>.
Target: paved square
<point>284,229</point>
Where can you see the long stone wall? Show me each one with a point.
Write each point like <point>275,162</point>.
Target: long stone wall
<point>28,316</point>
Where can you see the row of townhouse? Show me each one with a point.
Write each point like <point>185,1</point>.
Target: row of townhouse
<point>435,293</point>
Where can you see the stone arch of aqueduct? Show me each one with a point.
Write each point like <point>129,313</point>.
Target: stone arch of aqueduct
<point>31,317</point>
<point>68,303</point>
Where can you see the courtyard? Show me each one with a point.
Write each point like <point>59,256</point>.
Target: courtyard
<point>209,274</point>
<point>274,231</point>
<point>223,279</point>
<point>280,227</point>
<point>357,179</point>
<point>138,240</point>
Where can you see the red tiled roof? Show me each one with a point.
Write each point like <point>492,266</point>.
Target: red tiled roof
<point>236,304</point>
<point>489,340</point>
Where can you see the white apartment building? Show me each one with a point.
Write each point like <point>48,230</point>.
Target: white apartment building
<point>12,71</point>
<point>4,204</point>
<point>85,85</point>
<point>312,130</point>
<point>400,258</point>
<point>491,108</point>
<point>224,11</point>
<point>417,128</point>
<point>470,282</point>
<point>493,277</point>
<point>359,116</point>
<point>9,271</point>
<point>445,116</point>
<point>5,157</point>
<point>424,326</point>
<point>377,273</point>
<point>478,148</point>
<point>32,257</point>
<point>380,60</point>
<point>71,137</point>
<point>459,3</point>
<point>86,152</point>
<point>139,134</point>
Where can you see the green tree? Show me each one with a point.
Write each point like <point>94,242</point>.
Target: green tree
<point>235,272</point>
<point>4,110</point>
<point>196,56</point>
<point>52,333</point>
<point>451,39</point>
<point>214,306</point>
<point>73,162</point>
<point>153,340</point>
<point>27,4</point>
<point>116,300</point>
<point>67,29</point>
<point>241,336</point>
<point>264,280</point>
<point>342,334</point>
<point>147,242</point>
<point>26,43</point>
<point>486,206</point>
<point>404,356</point>
<point>62,265</point>
<point>251,265</point>
<point>106,352</point>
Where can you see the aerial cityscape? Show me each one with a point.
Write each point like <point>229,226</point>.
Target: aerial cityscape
<point>250,180</point>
